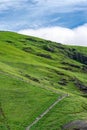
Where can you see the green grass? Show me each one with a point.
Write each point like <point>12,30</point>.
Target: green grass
<point>22,102</point>
<point>33,73</point>
<point>71,108</point>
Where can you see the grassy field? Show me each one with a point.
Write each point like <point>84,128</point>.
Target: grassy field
<point>33,74</point>
<point>21,102</point>
<point>71,108</point>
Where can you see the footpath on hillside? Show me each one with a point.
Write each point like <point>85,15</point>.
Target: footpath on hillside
<point>45,112</point>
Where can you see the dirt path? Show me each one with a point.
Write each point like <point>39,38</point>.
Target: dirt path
<point>45,112</point>
<point>48,109</point>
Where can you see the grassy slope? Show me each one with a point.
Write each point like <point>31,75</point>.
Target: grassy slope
<point>32,70</point>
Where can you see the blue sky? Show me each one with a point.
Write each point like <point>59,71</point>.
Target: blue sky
<point>19,15</point>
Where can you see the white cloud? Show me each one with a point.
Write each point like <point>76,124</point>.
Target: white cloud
<point>60,5</point>
<point>6,4</point>
<point>60,2</point>
<point>76,36</point>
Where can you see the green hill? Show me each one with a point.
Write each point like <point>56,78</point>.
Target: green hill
<point>33,74</point>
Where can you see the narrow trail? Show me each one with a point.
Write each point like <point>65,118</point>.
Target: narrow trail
<point>48,109</point>
<point>45,112</point>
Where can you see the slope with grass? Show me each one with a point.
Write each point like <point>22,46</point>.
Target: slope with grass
<point>33,74</point>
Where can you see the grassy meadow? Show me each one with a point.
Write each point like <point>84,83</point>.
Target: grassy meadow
<point>33,73</point>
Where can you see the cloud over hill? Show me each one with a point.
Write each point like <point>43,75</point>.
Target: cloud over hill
<point>76,36</point>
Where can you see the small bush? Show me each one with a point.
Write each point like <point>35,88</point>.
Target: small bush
<point>27,49</point>
<point>48,48</point>
<point>31,78</point>
<point>45,56</point>
<point>63,82</point>
<point>31,39</point>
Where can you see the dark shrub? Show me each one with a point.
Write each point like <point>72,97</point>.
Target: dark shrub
<point>27,49</point>
<point>63,82</point>
<point>45,56</point>
<point>31,78</point>
<point>8,41</point>
<point>31,39</point>
<point>48,48</point>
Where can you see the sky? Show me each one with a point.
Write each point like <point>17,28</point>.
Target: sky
<point>63,21</point>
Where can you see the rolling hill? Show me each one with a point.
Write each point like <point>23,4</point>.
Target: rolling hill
<point>34,73</point>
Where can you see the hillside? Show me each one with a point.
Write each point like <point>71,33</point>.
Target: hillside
<point>34,73</point>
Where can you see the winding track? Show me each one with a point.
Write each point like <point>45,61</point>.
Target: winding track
<point>45,112</point>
